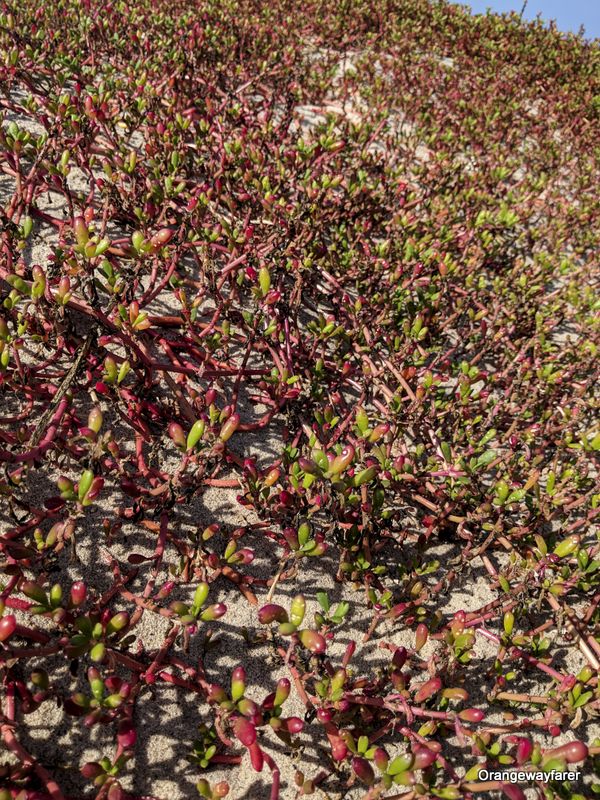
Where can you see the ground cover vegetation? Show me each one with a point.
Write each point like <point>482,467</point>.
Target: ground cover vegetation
<point>334,266</point>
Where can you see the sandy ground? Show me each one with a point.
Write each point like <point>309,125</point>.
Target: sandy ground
<point>167,718</point>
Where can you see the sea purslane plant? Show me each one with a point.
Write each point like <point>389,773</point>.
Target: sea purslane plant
<point>337,263</point>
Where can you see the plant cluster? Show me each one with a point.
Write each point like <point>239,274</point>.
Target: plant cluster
<point>365,232</point>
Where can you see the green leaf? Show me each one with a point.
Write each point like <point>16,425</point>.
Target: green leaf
<point>400,764</point>
<point>340,611</point>
<point>486,458</point>
<point>583,699</point>
<point>516,496</point>
<point>323,601</point>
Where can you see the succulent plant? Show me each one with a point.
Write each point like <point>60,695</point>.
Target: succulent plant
<point>398,291</point>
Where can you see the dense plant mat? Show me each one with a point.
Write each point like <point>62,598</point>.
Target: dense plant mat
<point>298,398</point>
